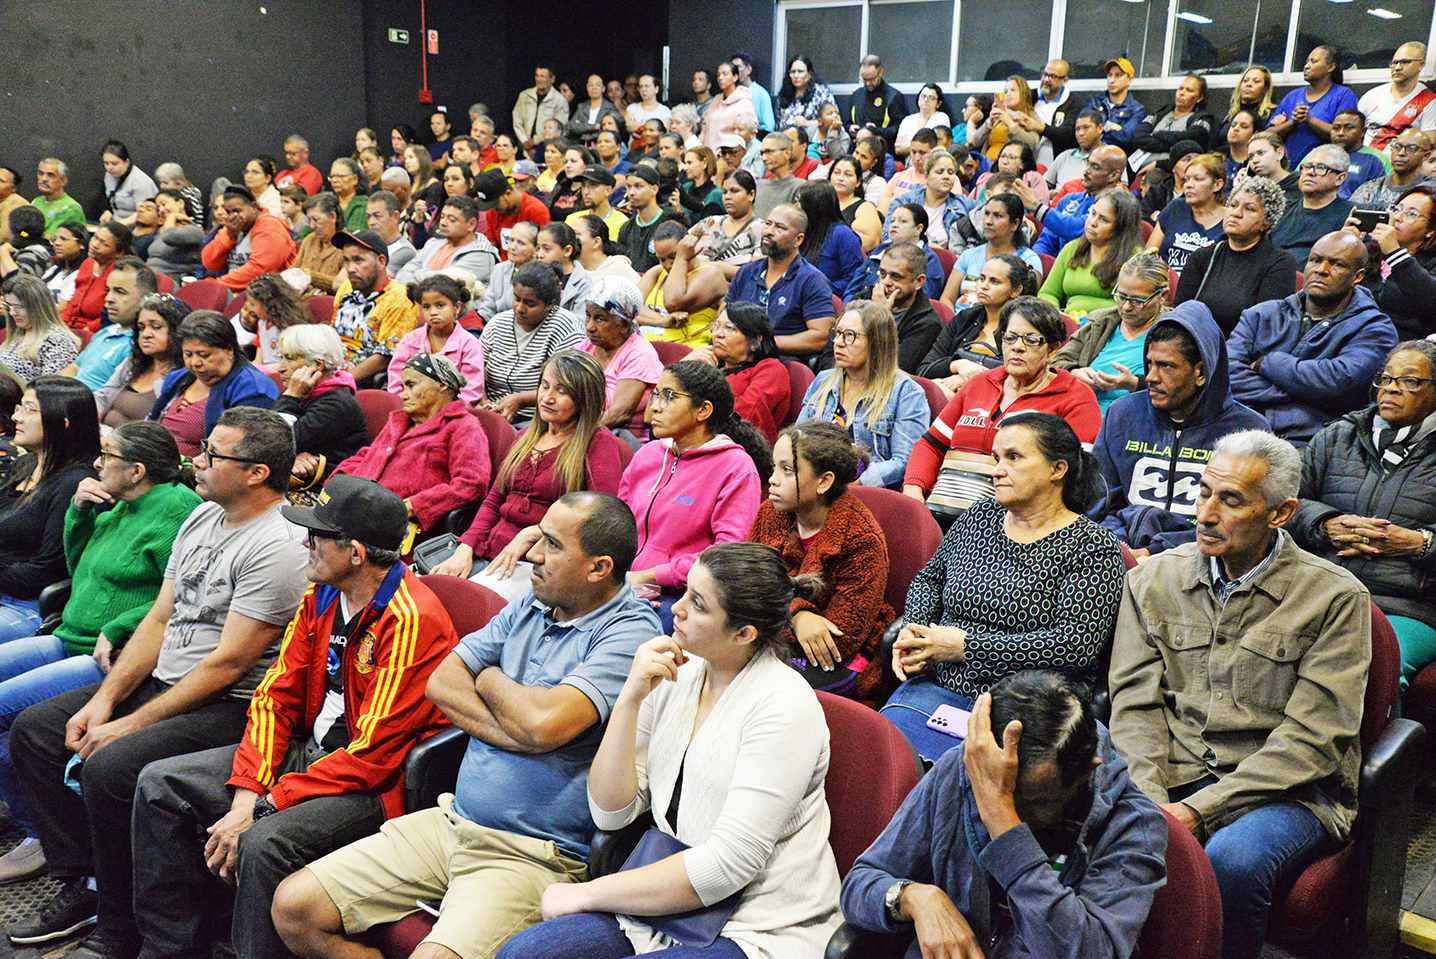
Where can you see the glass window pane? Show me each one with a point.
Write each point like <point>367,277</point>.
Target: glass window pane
<point>995,42</point>
<point>829,36</point>
<point>914,40</point>
<point>1099,30</point>
<point>1225,36</point>
<point>1367,33</point>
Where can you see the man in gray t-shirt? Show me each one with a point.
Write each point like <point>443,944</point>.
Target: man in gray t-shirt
<point>181,684</point>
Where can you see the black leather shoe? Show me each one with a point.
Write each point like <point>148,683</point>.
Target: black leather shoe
<point>72,909</point>
<point>104,945</point>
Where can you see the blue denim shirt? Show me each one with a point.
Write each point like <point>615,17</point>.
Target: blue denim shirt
<point>897,432</point>
<point>958,206</point>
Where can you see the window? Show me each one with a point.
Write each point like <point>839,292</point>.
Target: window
<point>1100,30</point>
<point>1224,36</point>
<point>1018,45</point>
<point>914,39</point>
<point>1367,33</point>
<point>831,36</point>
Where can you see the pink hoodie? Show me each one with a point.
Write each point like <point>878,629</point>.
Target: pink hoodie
<point>686,502</point>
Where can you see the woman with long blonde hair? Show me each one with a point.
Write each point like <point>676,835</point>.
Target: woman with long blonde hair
<point>37,342</point>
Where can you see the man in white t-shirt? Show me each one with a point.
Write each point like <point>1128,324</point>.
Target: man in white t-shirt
<point>1403,104</point>
<point>648,107</point>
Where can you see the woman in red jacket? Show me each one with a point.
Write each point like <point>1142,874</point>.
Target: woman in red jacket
<point>821,528</point>
<point>744,349</point>
<point>108,243</point>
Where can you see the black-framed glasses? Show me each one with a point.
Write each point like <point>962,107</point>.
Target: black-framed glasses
<point>846,337</point>
<point>666,396</point>
<point>209,455</point>
<point>1321,169</point>
<point>1033,340</point>
<point>313,536</point>
<point>1121,297</point>
<point>1404,61</point>
<point>1408,383</point>
<point>1406,148</point>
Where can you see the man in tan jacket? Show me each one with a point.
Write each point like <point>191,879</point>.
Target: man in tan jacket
<point>1237,679</point>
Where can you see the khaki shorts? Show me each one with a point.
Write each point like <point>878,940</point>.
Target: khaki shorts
<point>488,883</point>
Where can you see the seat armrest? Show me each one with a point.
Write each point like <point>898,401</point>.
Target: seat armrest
<point>850,942</point>
<point>459,520</point>
<point>610,849</point>
<point>51,605</point>
<point>1381,834</point>
<point>432,768</point>
<point>890,681</point>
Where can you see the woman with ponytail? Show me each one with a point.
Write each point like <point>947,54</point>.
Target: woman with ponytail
<point>820,528</point>
<point>1021,581</point>
<point>750,819</point>
<point>119,530</point>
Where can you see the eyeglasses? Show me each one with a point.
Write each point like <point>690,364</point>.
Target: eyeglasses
<point>1053,76</point>
<point>1407,214</point>
<point>1121,297</point>
<point>662,398</point>
<point>1407,148</point>
<point>205,450</point>
<point>1321,169</point>
<point>30,408</point>
<point>721,329</point>
<point>313,537</point>
<point>1405,61</point>
<point>1034,340</point>
<point>115,456</point>
<point>1408,383</point>
<point>846,337</point>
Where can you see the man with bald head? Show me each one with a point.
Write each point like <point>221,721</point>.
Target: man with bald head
<point>1056,113</point>
<point>795,293</point>
<point>1408,152</point>
<point>1064,222</point>
<point>1305,360</point>
<point>1401,105</point>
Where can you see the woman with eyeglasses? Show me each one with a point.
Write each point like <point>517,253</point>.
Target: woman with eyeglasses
<point>744,350</point>
<point>215,376</point>
<point>118,531</point>
<point>865,392</point>
<point>1108,353</point>
<point>1405,286</point>
<point>346,179</point>
<point>259,174</point>
<point>36,342</point>
<point>630,363</point>
<point>931,106</point>
<point>1368,498</point>
<point>952,467</point>
<point>131,391</point>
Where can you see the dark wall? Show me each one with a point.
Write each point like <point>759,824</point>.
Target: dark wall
<point>702,32</point>
<point>173,79</point>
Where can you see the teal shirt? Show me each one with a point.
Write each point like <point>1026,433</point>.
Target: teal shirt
<point>1130,353</point>
<point>64,210</point>
<point>107,350</point>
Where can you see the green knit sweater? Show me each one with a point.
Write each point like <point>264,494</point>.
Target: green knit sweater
<point>117,559</point>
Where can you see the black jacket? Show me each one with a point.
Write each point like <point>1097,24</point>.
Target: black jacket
<point>32,531</point>
<point>964,328</point>
<point>330,424</point>
<point>884,108</point>
<point>1408,295</point>
<point>1149,138</point>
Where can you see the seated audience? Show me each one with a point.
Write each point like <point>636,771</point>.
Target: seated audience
<point>259,174</point>
<point>802,310</point>
<point>247,242</point>
<point>300,171</point>
<point>291,209</point>
<point>319,263</point>
<point>270,307</point>
<point>907,223</point>
<point>1253,94</point>
<point>233,581</point>
<point>1306,359</point>
<point>545,674</point>
<point>431,452</point>
<point>779,186</point>
<point>499,291</point>
<point>131,391</point>
<point>1036,778</point>
<point>820,529</point>
<point>383,216</point>
<point>1108,352</point>
<point>952,466</point>
<point>1155,442</point>
<point>1194,219</point>
<point>1241,127</point>
<point>371,312</point>
<point>700,194</point>
<point>28,250</point>
<point>126,185</point>
<point>86,307</point>
<point>1320,211</point>
<point>756,811</point>
<point>1085,273</point>
<point>117,534</point>
<point>345,179</point>
<point>440,300</point>
<point>1021,580</point>
<point>456,244</point>
<point>1245,267</point>
<point>176,248</point>
<point>846,174</point>
<point>1260,761</point>
<point>732,239</point>
<point>1003,231</point>
<point>1085,132</point>
<point>743,348</point>
<point>51,199</point>
<point>1018,161</point>
<point>1405,283</point>
<point>902,274</point>
<point>36,342</point>
<point>567,193</point>
<point>598,254</point>
<point>558,247</point>
<point>215,377</point>
<point>948,225</point>
<point>1408,154</point>
<point>828,242</point>
<point>518,342</point>
<point>68,249</point>
<point>1368,498</point>
<point>630,364</point>
<point>505,205</point>
<point>317,401</point>
<point>1348,131</point>
<point>968,343</point>
<point>681,295</point>
<point>322,758</point>
<point>129,281</point>
<point>866,393</point>
<point>1267,156</point>
<point>170,176</point>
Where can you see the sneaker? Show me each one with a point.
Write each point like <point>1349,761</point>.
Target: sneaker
<point>71,909</point>
<point>25,861</point>
<point>104,945</point>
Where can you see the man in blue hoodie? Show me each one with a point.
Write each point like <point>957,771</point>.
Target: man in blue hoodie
<point>1155,443</point>
<point>1305,360</point>
<point>1040,845</point>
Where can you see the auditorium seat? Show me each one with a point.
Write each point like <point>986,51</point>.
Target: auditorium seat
<point>321,308</point>
<point>670,352</point>
<point>937,400</point>
<point>948,259</point>
<point>800,378</point>
<point>377,405</point>
<point>205,294</point>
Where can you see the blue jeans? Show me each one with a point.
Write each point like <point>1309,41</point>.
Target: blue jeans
<point>18,618</point>
<point>596,935</point>
<point>910,707</point>
<point>1255,858</point>
<point>31,671</point>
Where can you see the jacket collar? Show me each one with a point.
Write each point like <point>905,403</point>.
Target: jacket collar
<point>326,596</point>
<point>1275,581</point>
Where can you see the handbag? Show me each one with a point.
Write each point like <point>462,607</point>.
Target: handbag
<point>432,552</point>
<point>696,928</point>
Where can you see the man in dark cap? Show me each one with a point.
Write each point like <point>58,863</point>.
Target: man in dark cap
<point>371,313</point>
<point>598,185</point>
<point>321,762</point>
<point>505,204</point>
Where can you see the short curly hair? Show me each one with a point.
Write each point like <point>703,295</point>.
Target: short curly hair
<point>1268,194</point>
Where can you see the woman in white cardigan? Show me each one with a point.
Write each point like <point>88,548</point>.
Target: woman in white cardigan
<point>717,705</point>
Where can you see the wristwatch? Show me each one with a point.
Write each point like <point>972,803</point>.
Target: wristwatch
<point>263,806</point>
<point>891,900</point>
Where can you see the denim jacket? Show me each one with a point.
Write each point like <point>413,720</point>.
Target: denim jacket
<point>890,442</point>
<point>958,207</point>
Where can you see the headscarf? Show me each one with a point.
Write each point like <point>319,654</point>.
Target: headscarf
<point>440,369</point>
<point>615,295</point>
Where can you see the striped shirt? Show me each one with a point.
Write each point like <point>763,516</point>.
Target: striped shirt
<point>514,367</point>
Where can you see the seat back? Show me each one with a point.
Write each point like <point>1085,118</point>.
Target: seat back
<point>1146,227</point>
<point>670,352</point>
<point>936,399</point>
<point>944,312</point>
<point>235,305</point>
<point>322,309</point>
<point>911,533</point>
<point>500,433</point>
<point>164,283</point>
<point>837,306</point>
<point>947,258</point>
<point>204,294</point>
<point>377,405</point>
<point>470,606</point>
<point>800,377</point>
<point>871,769</point>
<point>1047,261</point>
<point>1383,680</point>
<point>1185,921</point>
<point>1172,278</point>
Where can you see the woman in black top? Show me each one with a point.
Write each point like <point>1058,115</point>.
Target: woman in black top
<point>58,428</point>
<point>1245,267</point>
<point>319,403</point>
<point>967,345</point>
<point>1407,246</point>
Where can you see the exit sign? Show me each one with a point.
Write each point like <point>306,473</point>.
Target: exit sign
<point>398,36</point>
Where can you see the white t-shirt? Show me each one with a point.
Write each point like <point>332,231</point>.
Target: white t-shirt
<point>936,229</point>
<point>913,122</point>
<point>639,112</point>
<point>1387,117</point>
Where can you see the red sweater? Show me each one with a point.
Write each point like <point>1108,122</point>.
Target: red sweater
<point>405,634</point>
<point>84,309</point>
<point>761,395</point>
<point>271,249</point>
<point>307,176</point>
<point>971,420</point>
<point>495,223</point>
<point>851,556</point>
<point>533,488</point>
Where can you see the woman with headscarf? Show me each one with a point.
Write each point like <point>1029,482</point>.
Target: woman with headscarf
<point>630,363</point>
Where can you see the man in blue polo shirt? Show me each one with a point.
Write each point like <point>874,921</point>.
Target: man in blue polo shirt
<point>128,282</point>
<point>533,690</point>
<point>1064,222</point>
<point>796,295</point>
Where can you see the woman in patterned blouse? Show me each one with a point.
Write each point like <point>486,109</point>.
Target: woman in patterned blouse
<point>1021,581</point>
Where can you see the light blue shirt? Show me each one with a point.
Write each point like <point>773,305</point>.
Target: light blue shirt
<point>971,260</point>
<point>546,796</point>
<point>1118,349</point>
<point>107,350</point>
<point>763,107</point>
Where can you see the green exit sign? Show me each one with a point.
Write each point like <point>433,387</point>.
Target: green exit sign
<point>398,36</point>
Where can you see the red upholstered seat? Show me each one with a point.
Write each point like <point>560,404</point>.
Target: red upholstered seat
<point>671,352</point>
<point>800,377</point>
<point>377,405</point>
<point>911,533</point>
<point>947,258</point>
<point>936,399</point>
<point>205,294</point>
<point>322,309</point>
<point>499,432</point>
<point>944,311</point>
<point>1186,917</point>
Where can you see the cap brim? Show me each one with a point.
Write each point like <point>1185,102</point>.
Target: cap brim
<point>485,205</point>
<point>306,517</point>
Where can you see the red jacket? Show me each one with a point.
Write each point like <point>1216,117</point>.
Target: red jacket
<point>307,176</point>
<point>405,634</point>
<point>761,394</point>
<point>84,309</point>
<point>530,208</point>
<point>271,249</point>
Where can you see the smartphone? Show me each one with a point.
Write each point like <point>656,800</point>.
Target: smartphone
<point>950,720</point>
<point>1369,218</point>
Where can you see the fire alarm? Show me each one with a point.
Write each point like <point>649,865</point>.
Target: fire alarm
<point>426,96</point>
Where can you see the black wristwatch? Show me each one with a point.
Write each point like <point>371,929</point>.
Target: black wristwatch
<point>263,806</point>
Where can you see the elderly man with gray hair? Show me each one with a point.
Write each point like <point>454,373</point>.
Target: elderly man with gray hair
<point>1238,673</point>
<point>1320,212</point>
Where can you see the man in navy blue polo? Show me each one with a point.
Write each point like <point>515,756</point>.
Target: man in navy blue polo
<point>796,295</point>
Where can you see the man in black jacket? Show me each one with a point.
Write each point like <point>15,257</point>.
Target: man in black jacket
<point>901,275</point>
<point>877,107</point>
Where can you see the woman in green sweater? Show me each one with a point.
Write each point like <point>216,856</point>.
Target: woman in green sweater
<point>119,531</point>
<point>1085,272</point>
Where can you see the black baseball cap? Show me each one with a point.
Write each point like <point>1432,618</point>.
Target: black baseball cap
<point>598,173</point>
<point>368,239</point>
<point>489,186</point>
<point>644,173</point>
<point>355,508</point>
